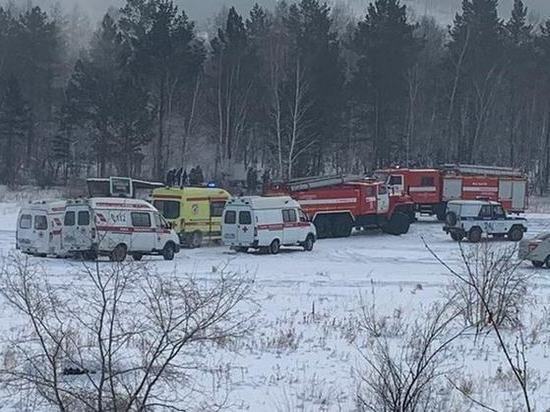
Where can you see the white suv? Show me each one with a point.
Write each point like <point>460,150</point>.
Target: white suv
<point>473,218</point>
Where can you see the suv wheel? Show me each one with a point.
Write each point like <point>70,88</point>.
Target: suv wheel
<point>515,234</point>
<point>168,252</point>
<point>137,256</point>
<point>308,244</point>
<point>475,235</point>
<point>457,236</point>
<point>537,263</point>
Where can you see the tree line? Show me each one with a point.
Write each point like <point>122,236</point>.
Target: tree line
<point>301,89</point>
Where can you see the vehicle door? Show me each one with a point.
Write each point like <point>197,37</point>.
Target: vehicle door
<point>40,232</point>
<point>76,233</point>
<point>24,234</point>
<point>486,219</point>
<point>144,236</point>
<point>229,226</point>
<point>162,230</point>
<point>500,223</point>
<point>245,227</point>
<point>291,227</point>
<point>518,195</point>
<point>383,200</point>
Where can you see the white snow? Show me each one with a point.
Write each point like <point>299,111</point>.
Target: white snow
<point>304,352</point>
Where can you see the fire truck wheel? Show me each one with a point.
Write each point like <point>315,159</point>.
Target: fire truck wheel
<point>323,226</point>
<point>474,235</point>
<point>308,244</point>
<point>168,252</point>
<point>342,226</point>
<point>537,263</point>
<point>274,247</point>
<point>515,234</point>
<point>137,256</point>
<point>119,253</point>
<point>397,225</point>
<point>196,239</point>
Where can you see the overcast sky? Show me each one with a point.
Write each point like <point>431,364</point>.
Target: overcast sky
<point>201,10</point>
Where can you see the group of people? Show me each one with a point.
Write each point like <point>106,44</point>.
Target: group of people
<point>180,178</point>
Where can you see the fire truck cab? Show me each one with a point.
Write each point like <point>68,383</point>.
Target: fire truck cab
<point>337,204</point>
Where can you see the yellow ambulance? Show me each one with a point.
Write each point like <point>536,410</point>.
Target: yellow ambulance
<point>194,212</point>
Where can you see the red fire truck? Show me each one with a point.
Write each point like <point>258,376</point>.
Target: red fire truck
<point>431,189</point>
<point>337,204</point>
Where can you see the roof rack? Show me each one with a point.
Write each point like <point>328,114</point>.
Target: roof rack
<point>483,170</point>
<point>321,181</point>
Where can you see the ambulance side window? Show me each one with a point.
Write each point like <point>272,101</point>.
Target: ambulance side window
<point>69,219</point>
<point>25,222</point>
<point>40,222</point>
<point>141,219</point>
<point>230,217</point>
<point>83,218</point>
<point>245,218</point>
<point>289,215</point>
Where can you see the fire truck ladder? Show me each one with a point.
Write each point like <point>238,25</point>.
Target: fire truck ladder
<point>484,170</point>
<point>307,183</point>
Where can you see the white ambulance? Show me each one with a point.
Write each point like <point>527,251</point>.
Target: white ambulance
<point>117,227</point>
<point>39,227</point>
<point>266,223</point>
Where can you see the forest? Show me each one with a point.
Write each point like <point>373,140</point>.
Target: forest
<point>299,89</point>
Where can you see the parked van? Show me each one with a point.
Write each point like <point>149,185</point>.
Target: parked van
<point>266,223</point>
<point>39,228</point>
<point>117,227</point>
<point>194,212</point>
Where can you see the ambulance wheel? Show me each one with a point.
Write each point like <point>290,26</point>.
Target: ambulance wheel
<point>308,244</point>
<point>119,253</point>
<point>196,239</point>
<point>515,234</point>
<point>474,235</point>
<point>137,256</point>
<point>274,247</point>
<point>537,263</point>
<point>241,249</point>
<point>168,252</point>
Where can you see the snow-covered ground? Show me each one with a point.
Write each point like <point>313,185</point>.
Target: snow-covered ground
<point>305,350</point>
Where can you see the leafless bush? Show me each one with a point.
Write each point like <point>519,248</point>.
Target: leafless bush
<point>403,378</point>
<point>503,288</point>
<point>123,339</point>
<point>498,291</point>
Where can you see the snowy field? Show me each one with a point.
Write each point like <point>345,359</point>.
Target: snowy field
<point>304,352</point>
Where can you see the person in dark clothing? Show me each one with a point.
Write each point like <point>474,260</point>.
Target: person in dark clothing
<point>177,177</point>
<point>266,180</point>
<point>170,178</point>
<point>199,176</point>
<point>184,179</point>
<point>251,180</point>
